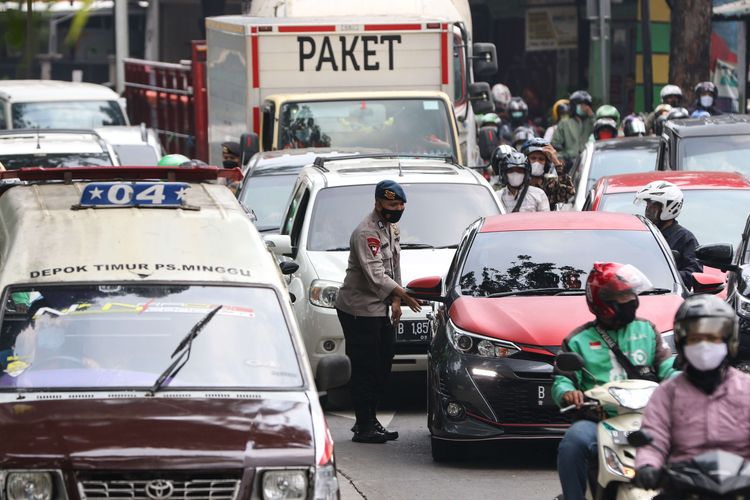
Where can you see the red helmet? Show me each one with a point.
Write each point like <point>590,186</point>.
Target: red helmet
<point>609,280</point>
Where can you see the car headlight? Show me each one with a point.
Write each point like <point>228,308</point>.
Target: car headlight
<point>326,483</point>
<point>29,486</point>
<point>743,305</point>
<point>323,293</point>
<point>634,399</point>
<point>479,345</point>
<point>284,485</point>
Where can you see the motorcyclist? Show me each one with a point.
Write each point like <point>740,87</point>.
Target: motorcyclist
<point>670,95</point>
<point>706,94</point>
<point>705,407</point>
<point>499,158</point>
<point>664,203</point>
<point>633,126</point>
<point>560,110</point>
<point>501,96</point>
<point>547,171</point>
<point>659,117</point>
<point>615,346</point>
<point>571,134</point>
<point>172,160</point>
<point>521,135</point>
<point>678,114</point>
<point>606,123</point>
<point>518,195</point>
<point>488,135</point>
<point>519,113</point>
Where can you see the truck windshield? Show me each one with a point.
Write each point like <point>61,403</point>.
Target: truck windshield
<point>66,114</point>
<point>406,126</point>
<point>123,335</point>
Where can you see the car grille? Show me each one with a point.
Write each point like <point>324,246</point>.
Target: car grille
<point>131,487</point>
<point>511,400</point>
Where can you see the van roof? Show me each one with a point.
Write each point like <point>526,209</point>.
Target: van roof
<point>53,90</point>
<point>45,239</point>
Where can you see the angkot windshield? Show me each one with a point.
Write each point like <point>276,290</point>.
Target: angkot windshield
<point>124,336</point>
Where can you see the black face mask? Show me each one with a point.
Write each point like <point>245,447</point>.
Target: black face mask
<point>625,313</point>
<point>392,216</point>
<point>229,164</point>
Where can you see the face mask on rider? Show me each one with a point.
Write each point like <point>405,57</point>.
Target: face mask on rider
<point>515,179</point>
<point>707,101</point>
<point>625,312</point>
<point>537,169</point>
<point>706,356</point>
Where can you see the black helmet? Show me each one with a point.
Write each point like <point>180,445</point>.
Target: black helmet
<point>581,97</point>
<point>500,156</point>
<point>678,114</point>
<point>534,144</point>
<point>521,135</point>
<point>709,315</point>
<point>518,110</point>
<point>706,87</point>
<point>513,160</point>
<point>605,128</point>
<point>633,126</point>
<point>659,123</point>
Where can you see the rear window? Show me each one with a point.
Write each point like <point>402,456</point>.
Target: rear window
<point>724,153</point>
<point>67,114</point>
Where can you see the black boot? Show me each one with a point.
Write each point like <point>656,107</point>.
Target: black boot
<point>391,435</point>
<point>365,431</point>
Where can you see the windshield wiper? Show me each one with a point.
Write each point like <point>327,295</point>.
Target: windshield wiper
<point>182,351</point>
<point>443,247</point>
<point>656,291</point>
<point>339,249</point>
<point>540,291</point>
<point>411,246</point>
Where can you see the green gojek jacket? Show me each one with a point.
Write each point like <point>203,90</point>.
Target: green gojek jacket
<point>571,136</point>
<point>639,341</point>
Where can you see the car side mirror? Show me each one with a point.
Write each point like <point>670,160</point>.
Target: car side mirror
<point>334,370</point>
<point>484,56</point>
<point>249,145</point>
<point>429,288</point>
<point>279,244</point>
<point>480,96</point>
<point>568,361</point>
<point>288,267</point>
<point>719,256</point>
<point>707,283</point>
<point>639,438</point>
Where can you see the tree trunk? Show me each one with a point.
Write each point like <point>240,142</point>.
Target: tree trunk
<point>690,45</point>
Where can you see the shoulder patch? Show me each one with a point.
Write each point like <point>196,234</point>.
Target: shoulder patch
<point>374,245</point>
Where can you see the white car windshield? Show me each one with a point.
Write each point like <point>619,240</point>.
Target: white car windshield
<point>66,114</point>
<point>124,335</point>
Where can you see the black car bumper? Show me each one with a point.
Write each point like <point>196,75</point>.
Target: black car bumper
<point>515,402</point>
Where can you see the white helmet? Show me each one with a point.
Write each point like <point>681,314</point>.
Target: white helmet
<point>501,95</point>
<point>666,193</point>
<point>668,90</point>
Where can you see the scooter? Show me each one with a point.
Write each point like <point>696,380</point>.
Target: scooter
<point>714,475</point>
<point>616,464</point>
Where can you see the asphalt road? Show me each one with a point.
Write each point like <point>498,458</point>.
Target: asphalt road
<point>404,468</point>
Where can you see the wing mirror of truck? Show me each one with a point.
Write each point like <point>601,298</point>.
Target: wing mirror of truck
<point>484,58</point>
<point>288,267</point>
<point>481,98</point>
<point>249,145</point>
<point>707,283</point>
<point>429,288</point>
<point>333,371</point>
<point>719,256</point>
<point>279,244</point>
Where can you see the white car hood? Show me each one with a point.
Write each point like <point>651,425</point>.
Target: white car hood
<point>414,264</point>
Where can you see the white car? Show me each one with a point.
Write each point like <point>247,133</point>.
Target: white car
<point>332,197</point>
<point>134,146</point>
<point>54,148</point>
<point>57,104</point>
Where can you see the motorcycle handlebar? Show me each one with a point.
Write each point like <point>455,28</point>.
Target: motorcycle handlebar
<point>566,409</point>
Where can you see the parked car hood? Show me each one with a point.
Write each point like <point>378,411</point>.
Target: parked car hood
<point>414,263</point>
<point>156,433</point>
<point>545,321</point>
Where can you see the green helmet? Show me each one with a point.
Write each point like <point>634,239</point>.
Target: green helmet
<point>172,160</point>
<point>489,119</point>
<point>608,111</point>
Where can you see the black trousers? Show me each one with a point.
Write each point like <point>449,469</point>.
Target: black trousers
<point>369,346</point>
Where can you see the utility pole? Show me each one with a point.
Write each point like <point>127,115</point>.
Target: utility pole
<point>30,39</point>
<point>121,43</point>
<point>648,77</point>
<point>599,13</point>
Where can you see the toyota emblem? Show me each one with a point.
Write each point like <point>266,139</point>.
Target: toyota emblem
<point>159,489</point>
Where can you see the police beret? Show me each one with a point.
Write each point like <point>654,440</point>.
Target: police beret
<point>390,190</point>
<point>230,147</point>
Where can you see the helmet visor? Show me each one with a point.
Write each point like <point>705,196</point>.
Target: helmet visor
<point>629,281</point>
<point>700,328</point>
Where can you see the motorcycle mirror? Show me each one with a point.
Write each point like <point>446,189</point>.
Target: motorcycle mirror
<point>639,438</point>
<point>569,361</point>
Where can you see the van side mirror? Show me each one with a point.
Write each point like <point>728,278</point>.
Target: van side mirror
<point>279,244</point>
<point>334,370</point>
<point>428,288</point>
<point>480,97</point>
<point>249,145</point>
<point>484,58</point>
<point>718,256</point>
<point>707,283</point>
<point>288,267</point>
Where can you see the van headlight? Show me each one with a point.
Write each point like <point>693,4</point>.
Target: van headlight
<point>323,293</point>
<point>284,485</point>
<point>29,486</point>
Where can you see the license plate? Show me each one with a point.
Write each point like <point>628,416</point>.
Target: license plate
<point>413,331</point>
<point>542,395</point>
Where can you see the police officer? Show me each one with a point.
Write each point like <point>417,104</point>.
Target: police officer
<point>371,285</point>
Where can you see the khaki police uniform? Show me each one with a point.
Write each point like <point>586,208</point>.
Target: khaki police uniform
<point>362,304</point>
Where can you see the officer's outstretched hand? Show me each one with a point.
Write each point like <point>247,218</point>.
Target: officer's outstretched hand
<point>395,311</point>
<point>410,301</point>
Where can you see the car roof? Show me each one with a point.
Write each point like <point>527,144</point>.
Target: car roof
<point>49,141</point>
<point>290,161</point>
<point>369,170</point>
<point>648,142</point>
<point>559,221</point>
<point>710,126</point>
<point>627,183</point>
<point>53,90</point>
